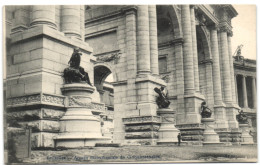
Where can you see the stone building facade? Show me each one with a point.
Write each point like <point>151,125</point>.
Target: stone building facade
<point>186,48</point>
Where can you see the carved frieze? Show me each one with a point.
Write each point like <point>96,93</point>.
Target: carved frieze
<point>53,99</point>
<point>142,119</point>
<point>35,99</point>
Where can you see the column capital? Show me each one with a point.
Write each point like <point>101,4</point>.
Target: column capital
<point>194,6</point>
<point>129,10</point>
<point>213,27</point>
<point>225,29</point>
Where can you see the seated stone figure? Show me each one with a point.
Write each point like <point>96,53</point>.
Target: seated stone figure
<point>242,117</point>
<point>162,100</point>
<point>75,73</point>
<point>205,111</point>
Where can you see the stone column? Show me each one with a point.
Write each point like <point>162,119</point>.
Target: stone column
<point>254,92</point>
<point>235,79</point>
<point>187,51</point>
<point>194,48</point>
<point>21,19</point>
<point>244,92</point>
<point>225,65</point>
<point>43,15</point>
<point>231,68</point>
<point>70,20</point>
<point>82,22</point>
<point>216,67</point>
<point>153,39</point>
<point>143,41</point>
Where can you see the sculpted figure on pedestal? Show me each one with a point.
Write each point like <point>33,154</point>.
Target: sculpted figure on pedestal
<point>162,100</point>
<point>75,73</point>
<point>205,111</point>
<point>242,117</point>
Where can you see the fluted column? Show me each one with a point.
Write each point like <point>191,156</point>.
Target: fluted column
<point>143,41</point>
<point>244,92</point>
<point>216,67</point>
<point>153,39</point>
<point>187,51</point>
<point>231,68</point>
<point>70,20</point>
<point>43,15</point>
<point>225,66</point>
<point>194,48</point>
<point>254,92</point>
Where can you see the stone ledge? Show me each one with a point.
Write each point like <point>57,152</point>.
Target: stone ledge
<point>51,33</point>
<point>149,78</point>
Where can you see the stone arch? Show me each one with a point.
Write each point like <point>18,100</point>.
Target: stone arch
<point>101,72</point>
<point>105,90</point>
<point>167,16</point>
<point>176,24</point>
<point>203,43</point>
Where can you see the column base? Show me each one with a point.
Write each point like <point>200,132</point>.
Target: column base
<point>210,136</point>
<point>168,132</point>
<point>231,112</point>
<point>141,130</point>
<point>245,137</point>
<point>220,116</point>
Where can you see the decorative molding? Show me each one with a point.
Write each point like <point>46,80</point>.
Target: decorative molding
<point>76,101</point>
<point>142,119</point>
<point>39,98</point>
<point>110,57</point>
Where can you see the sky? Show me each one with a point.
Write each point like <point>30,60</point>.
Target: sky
<point>244,30</point>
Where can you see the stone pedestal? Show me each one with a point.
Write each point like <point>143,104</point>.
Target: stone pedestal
<point>79,127</point>
<point>168,132</point>
<point>246,137</point>
<point>210,136</point>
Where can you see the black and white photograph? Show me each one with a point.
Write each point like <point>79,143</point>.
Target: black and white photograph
<point>129,83</point>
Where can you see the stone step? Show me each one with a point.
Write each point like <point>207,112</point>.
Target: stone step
<point>108,145</point>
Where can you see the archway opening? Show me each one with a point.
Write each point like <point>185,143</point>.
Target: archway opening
<point>103,79</point>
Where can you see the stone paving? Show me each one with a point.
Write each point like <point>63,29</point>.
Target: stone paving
<point>147,154</point>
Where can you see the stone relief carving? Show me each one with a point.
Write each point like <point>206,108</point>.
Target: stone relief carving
<point>36,98</point>
<point>53,99</point>
<point>114,56</point>
<point>75,101</point>
<point>142,128</point>
<point>49,113</point>
<point>50,126</point>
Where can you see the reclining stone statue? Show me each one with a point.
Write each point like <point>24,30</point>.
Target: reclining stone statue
<point>205,111</point>
<point>75,73</point>
<point>162,100</point>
